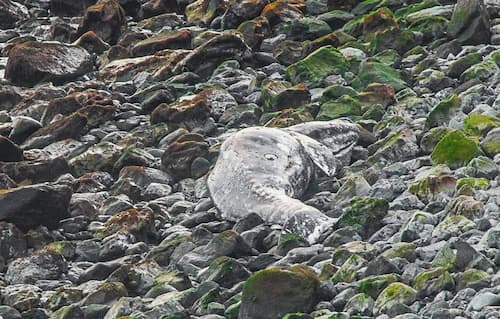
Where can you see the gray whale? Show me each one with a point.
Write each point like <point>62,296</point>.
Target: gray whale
<point>266,170</point>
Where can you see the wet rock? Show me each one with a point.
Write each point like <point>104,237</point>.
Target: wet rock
<point>12,12</point>
<point>168,40</point>
<point>446,151</point>
<point>32,62</point>
<point>9,151</point>
<point>42,265</point>
<point>91,42</point>
<point>106,19</point>
<point>205,58</point>
<point>36,171</point>
<point>69,8</point>
<point>30,206</point>
<point>273,292</point>
<point>470,23</point>
<point>204,11</point>
<point>241,11</point>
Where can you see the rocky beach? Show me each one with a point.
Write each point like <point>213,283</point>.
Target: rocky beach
<point>249,159</point>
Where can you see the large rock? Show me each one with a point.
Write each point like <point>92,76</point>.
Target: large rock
<point>106,18</point>
<point>204,59</point>
<point>9,152</point>
<point>455,149</point>
<point>274,292</point>
<point>44,264</point>
<point>32,62</point>
<point>69,8</point>
<point>30,206</point>
<point>470,23</point>
<point>11,12</point>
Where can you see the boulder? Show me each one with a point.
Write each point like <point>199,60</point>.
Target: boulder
<point>31,62</point>
<point>274,292</point>
<point>69,8</point>
<point>470,23</point>
<point>9,151</point>
<point>30,206</point>
<point>11,12</point>
<point>106,18</point>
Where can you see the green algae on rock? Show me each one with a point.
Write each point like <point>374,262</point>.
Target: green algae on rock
<point>480,124</point>
<point>432,281</point>
<point>345,106</point>
<point>456,150</point>
<point>371,71</point>
<point>274,292</point>
<point>365,214</point>
<point>443,112</point>
<point>393,295</point>
<point>318,65</point>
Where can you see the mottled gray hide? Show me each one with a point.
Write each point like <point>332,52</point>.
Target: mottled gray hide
<point>266,170</point>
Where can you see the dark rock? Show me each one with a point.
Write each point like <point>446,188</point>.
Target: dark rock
<point>91,42</point>
<point>69,8</point>
<point>12,12</point>
<point>106,18</point>
<point>35,171</point>
<point>470,23</point>
<point>32,62</point>
<point>274,292</point>
<point>9,152</point>
<point>30,206</point>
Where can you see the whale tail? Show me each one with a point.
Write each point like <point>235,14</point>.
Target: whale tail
<point>308,223</point>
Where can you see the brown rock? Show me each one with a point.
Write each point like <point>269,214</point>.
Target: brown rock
<point>9,152</point>
<point>204,59</point>
<point>74,102</point>
<point>92,43</point>
<point>204,11</point>
<point>283,11</point>
<point>106,19</point>
<point>179,154</point>
<point>254,31</point>
<point>239,11</point>
<point>32,62</point>
<point>156,7</point>
<point>169,40</point>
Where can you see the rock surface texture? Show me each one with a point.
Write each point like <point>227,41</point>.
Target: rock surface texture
<point>249,159</point>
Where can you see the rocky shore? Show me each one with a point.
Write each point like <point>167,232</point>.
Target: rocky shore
<point>112,116</point>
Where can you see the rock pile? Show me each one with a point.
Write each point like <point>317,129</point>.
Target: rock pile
<point>112,116</point>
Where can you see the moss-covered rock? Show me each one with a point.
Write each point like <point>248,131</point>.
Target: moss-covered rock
<point>401,250</point>
<point>454,224</point>
<point>290,241</point>
<point>430,282</point>
<point>482,71</point>
<point>433,186</point>
<point>455,149</point>
<point>225,271</point>
<point>278,95</point>
<point>345,106</point>
<point>460,65</point>
<point>374,285</point>
<point>365,214</point>
<point>432,137</point>
<point>371,71</point>
<point>274,292</point>
<point>378,21</point>
<point>432,28</point>
<point>318,65</point>
<point>348,271</point>
<point>475,183</point>
<point>395,39</point>
<point>443,112</point>
<point>470,276</point>
<point>65,248</point>
<point>360,304</point>
<point>287,117</point>
<point>491,143</point>
<point>480,124</point>
<point>393,295</point>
